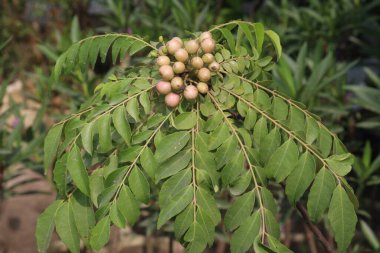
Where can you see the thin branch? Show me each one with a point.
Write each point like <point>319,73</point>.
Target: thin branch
<point>316,231</point>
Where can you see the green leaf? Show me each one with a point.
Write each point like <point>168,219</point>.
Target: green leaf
<point>145,102</point>
<point>296,120</point>
<point>271,142</point>
<point>148,162</point>
<point>205,161</point>
<point>104,130</point>
<point>282,161</point>
<point>277,246</point>
<point>173,165</point>
<point>340,164</point>
<point>230,38</point>
<point>243,238</point>
<point>233,168</point>
<point>84,215</point>
<point>121,124</point>
<point>259,34</point>
<point>183,221</point>
<point>342,218</point>
<point>100,234</point>
<point>51,143</point>
<point>128,205</point>
<point>45,226</point>
<point>225,152</point>
<point>240,209</point>
<point>66,229</point>
<point>276,42</point>
<point>96,185</point>
<point>173,185</point>
<point>250,120</point>
<point>207,202</point>
<point>77,170</point>
<point>280,109</point>
<point>324,142</point>
<point>186,120</point>
<point>312,130</point>
<point>175,206</point>
<point>196,247</point>
<point>171,145</point>
<point>218,136</point>
<point>300,178</point>
<point>133,109</point>
<point>268,200</point>
<point>271,224</point>
<point>87,134</point>
<point>320,194</point>
<point>139,185</point>
<point>260,131</point>
<point>116,216</point>
<point>241,184</point>
<point>60,175</point>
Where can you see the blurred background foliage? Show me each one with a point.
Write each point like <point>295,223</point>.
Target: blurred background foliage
<point>331,64</point>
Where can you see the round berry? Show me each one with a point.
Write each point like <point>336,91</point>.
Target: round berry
<point>177,83</point>
<point>163,87</point>
<point>173,46</point>
<point>181,55</point>
<point>205,35</point>
<point>172,100</point>
<point>179,67</point>
<point>208,45</point>
<point>202,87</point>
<point>208,58</point>
<point>204,74</point>
<point>192,46</point>
<point>197,62</point>
<point>163,60</point>
<point>214,66</point>
<point>166,72</point>
<point>179,40</point>
<point>190,92</point>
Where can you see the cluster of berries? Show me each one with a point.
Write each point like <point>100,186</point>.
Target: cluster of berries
<point>185,67</point>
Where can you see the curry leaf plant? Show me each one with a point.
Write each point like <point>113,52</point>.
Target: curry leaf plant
<point>180,132</point>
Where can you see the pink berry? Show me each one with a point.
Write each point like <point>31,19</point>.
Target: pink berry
<point>166,72</point>
<point>172,99</point>
<point>190,93</point>
<point>163,87</point>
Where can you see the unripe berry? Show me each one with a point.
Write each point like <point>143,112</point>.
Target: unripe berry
<point>214,66</point>
<point>161,39</point>
<point>177,83</point>
<point>166,72</point>
<point>179,67</point>
<point>181,55</point>
<point>205,35</point>
<point>173,46</point>
<point>179,40</point>
<point>202,87</point>
<point>163,60</point>
<point>172,100</point>
<point>208,45</point>
<point>163,87</point>
<point>208,58</point>
<point>192,46</point>
<point>190,92</point>
<point>197,62</point>
<point>204,74</point>
<point>162,50</point>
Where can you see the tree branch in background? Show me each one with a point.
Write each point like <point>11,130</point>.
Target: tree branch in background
<point>316,231</point>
